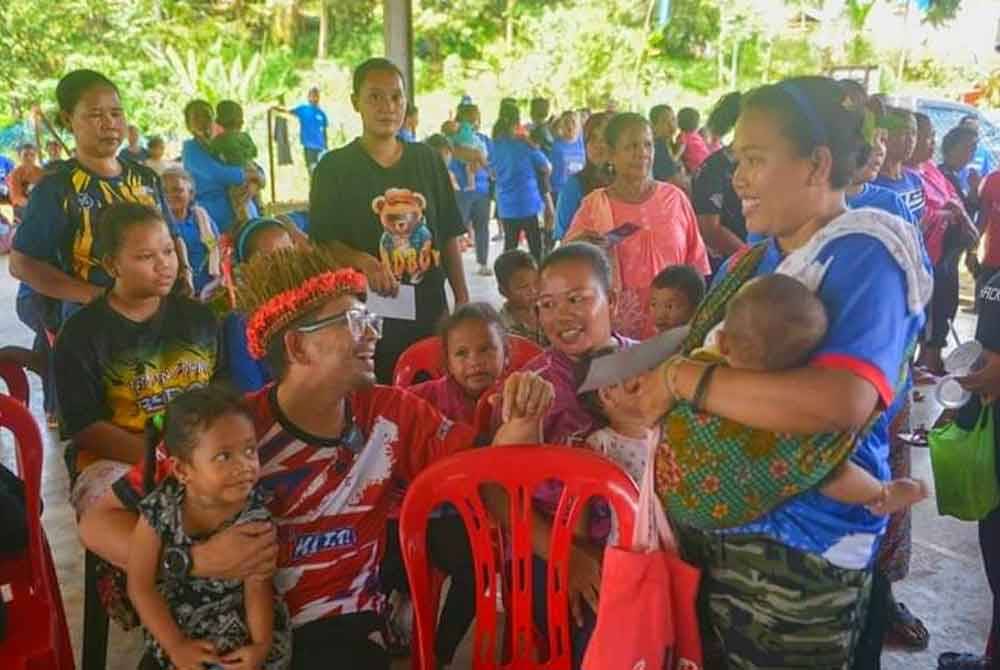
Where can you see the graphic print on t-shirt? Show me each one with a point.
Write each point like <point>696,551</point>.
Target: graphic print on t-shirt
<point>407,245</point>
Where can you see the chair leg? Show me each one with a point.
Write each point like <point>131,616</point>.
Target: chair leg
<point>95,620</point>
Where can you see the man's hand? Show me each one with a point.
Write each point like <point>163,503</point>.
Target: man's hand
<point>193,655</point>
<point>584,581</point>
<point>250,657</point>
<point>239,552</point>
<point>985,380</point>
<point>380,279</point>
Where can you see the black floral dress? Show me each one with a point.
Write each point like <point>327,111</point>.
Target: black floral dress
<point>208,609</point>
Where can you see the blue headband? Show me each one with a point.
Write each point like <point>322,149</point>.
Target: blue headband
<point>250,227</point>
<point>808,110</point>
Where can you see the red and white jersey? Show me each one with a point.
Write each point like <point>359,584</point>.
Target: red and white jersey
<point>331,498</point>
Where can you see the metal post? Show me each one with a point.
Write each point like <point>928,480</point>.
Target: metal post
<point>398,36</point>
<point>270,157</point>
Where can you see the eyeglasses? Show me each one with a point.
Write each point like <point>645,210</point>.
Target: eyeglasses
<point>358,322</point>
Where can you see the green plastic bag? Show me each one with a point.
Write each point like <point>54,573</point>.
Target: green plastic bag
<point>964,463</point>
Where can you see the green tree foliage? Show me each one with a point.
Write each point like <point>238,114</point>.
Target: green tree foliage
<point>162,52</point>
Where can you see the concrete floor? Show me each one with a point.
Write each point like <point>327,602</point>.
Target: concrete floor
<point>946,586</point>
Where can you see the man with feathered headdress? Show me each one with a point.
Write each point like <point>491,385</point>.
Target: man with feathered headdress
<point>335,451</point>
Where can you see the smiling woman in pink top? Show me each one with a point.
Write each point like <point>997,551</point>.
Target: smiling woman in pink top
<point>663,224</point>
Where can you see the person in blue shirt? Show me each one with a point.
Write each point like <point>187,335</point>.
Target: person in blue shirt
<point>901,140</point>
<point>798,146</point>
<point>312,128</point>
<point>133,151</point>
<point>6,167</point>
<point>408,133</point>
<point>196,228</point>
<point>595,173</point>
<point>568,155</point>
<point>212,177</point>
<point>474,203</point>
<point>518,166</point>
<point>862,193</point>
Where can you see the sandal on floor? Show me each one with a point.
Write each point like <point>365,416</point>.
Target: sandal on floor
<point>907,630</point>
<point>951,660</point>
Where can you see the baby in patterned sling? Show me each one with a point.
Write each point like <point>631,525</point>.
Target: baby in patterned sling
<point>194,623</point>
<point>773,323</point>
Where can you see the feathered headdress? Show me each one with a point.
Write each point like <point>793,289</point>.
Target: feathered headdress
<point>276,289</point>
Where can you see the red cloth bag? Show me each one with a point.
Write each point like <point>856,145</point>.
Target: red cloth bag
<point>646,616</point>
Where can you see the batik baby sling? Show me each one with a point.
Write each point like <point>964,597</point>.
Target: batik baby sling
<point>714,473</point>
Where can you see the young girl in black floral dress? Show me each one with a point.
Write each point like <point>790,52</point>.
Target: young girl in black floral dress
<point>193,623</point>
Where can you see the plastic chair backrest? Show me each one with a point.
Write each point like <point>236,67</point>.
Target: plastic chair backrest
<point>518,470</point>
<point>424,360</point>
<point>16,380</point>
<point>28,443</point>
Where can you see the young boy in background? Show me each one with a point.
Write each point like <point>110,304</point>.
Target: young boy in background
<point>517,281</point>
<point>234,147</point>
<point>676,293</point>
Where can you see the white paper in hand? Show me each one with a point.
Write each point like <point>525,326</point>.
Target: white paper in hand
<point>402,306</point>
<point>627,363</point>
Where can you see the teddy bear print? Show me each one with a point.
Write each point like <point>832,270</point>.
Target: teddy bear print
<point>406,247</point>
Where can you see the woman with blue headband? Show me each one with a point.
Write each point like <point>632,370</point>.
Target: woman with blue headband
<point>788,571</point>
<point>256,236</point>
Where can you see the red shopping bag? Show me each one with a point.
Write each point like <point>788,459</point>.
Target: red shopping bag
<point>646,615</point>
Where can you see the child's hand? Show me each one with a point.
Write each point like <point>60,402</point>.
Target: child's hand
<point>250,657</point>
<point>193,654</point>
<point>524,402</point>
<point>526,396</point>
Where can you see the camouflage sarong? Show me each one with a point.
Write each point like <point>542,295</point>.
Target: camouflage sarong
<point>765,606</point>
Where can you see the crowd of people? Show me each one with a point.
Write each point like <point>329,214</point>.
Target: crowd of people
<point>804,235</point>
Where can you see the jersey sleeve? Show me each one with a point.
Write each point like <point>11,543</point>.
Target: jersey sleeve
<point>79,388</point>
<point>988,327</point>
<point>539,161</point>
<point>870,330</point>
<point>245,373</point>
<point>428,436</point>
<point>44,224</point>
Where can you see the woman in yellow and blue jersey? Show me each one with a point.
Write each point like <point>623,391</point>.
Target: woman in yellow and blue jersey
<point>56,250</point>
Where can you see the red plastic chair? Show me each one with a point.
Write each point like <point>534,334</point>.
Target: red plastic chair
<point>424,360</point>
<point>37,636</point>
<point>16,380</point>
<point>518,470</point>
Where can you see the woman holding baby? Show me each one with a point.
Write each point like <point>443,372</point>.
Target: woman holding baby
<point>788,586</point>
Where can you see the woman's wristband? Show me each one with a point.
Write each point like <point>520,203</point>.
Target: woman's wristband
<point>670,375</point>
